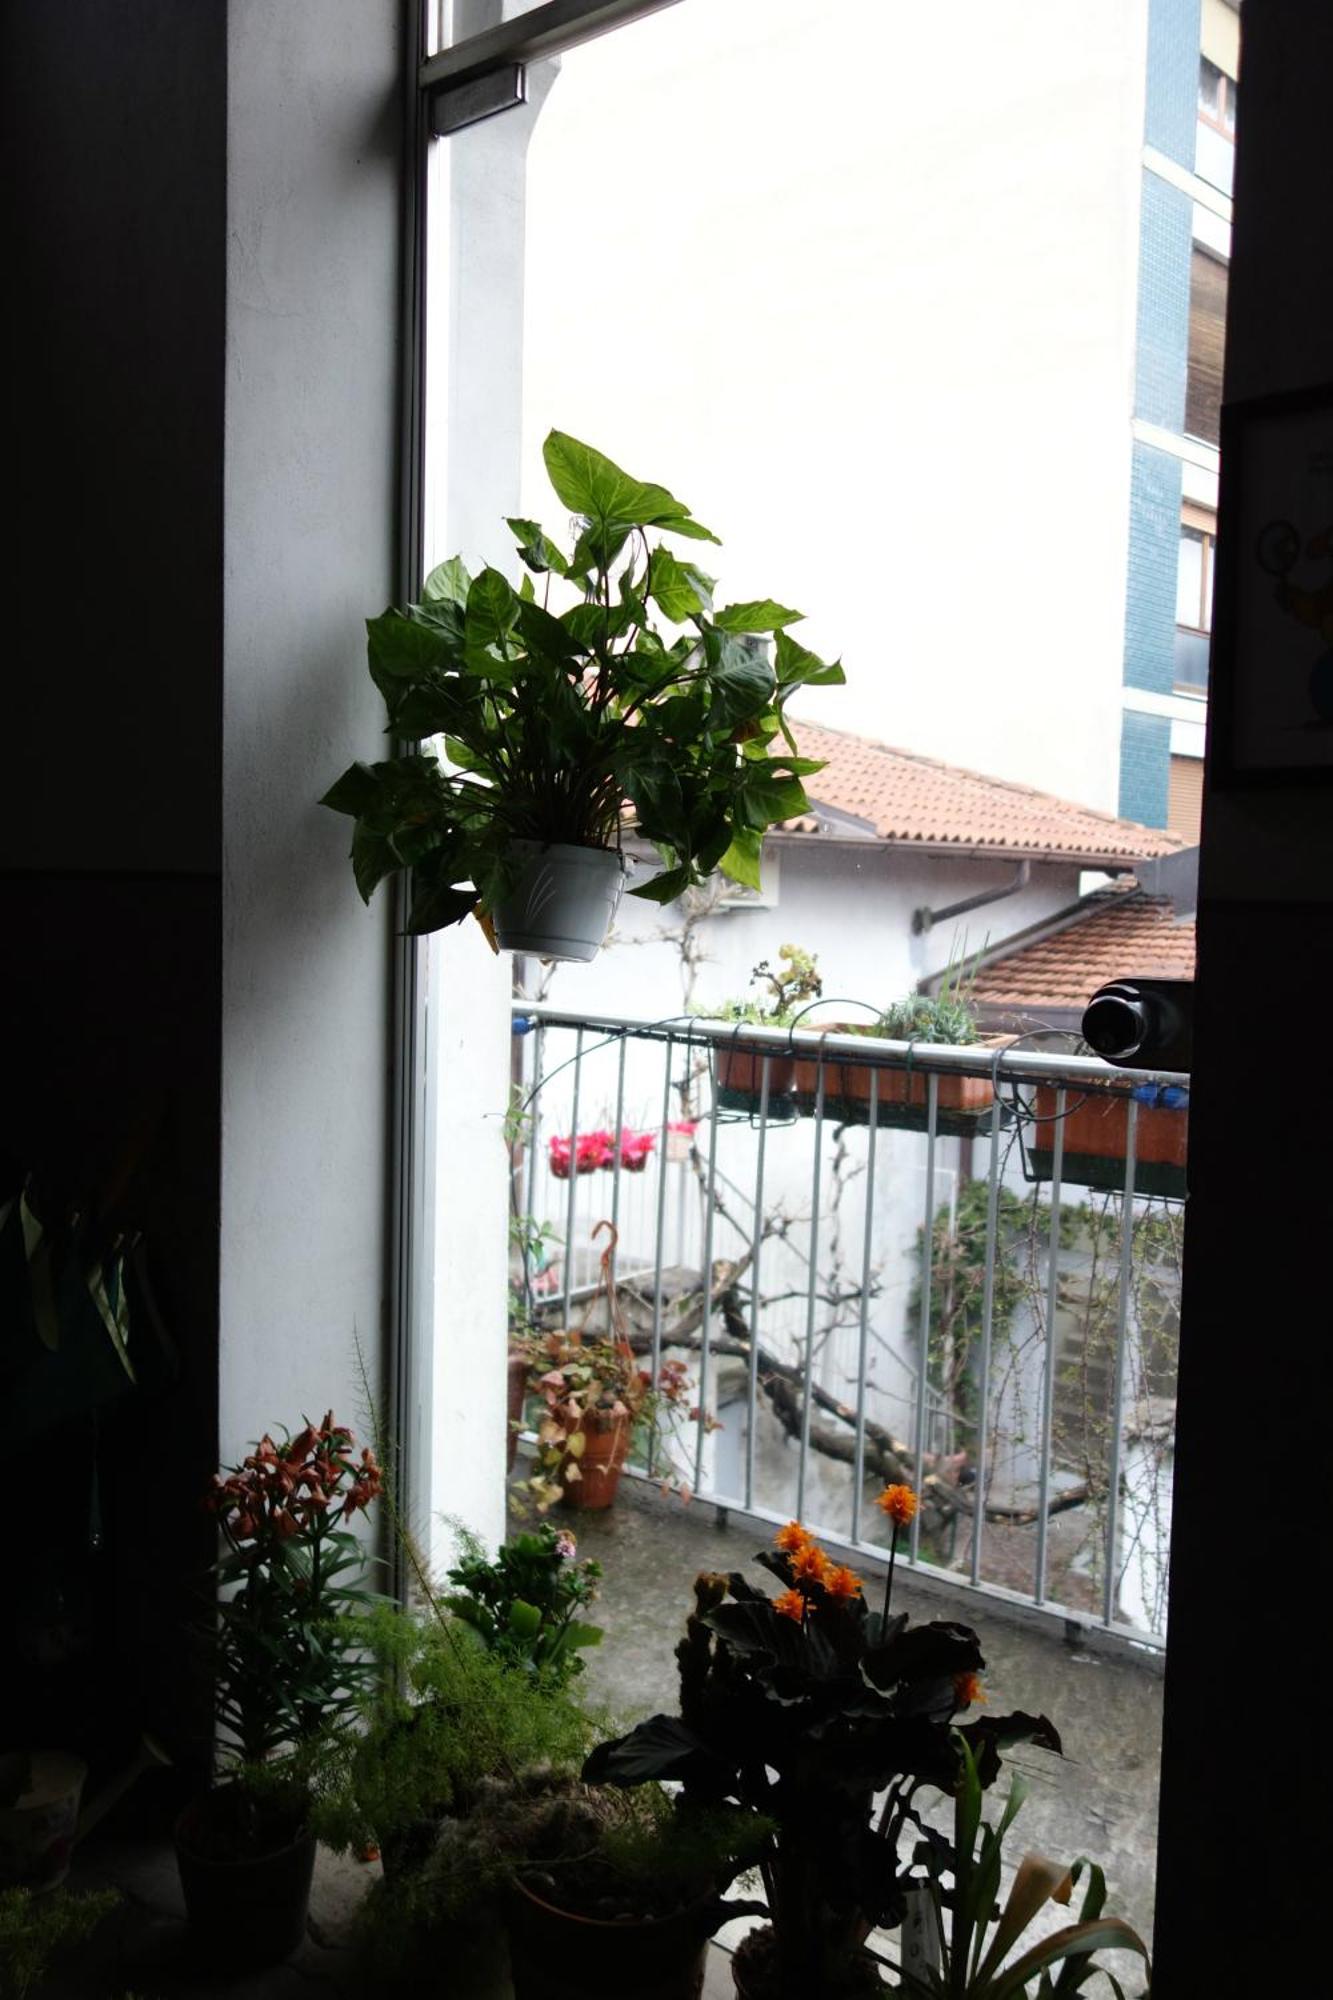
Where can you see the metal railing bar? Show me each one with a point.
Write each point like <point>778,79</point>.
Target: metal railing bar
<point>1112,1581</point>
<point>706,1330</point>
<point>1046,1428</point>
<point>756,1252</point>
<point>807,1399</point>
<point>573,1177</point>
<point>927,1273</point>
<point>987,1327</point>
<point>874,1052</point>
<point>619,1168</point>
<point>863,1343</point>
<point>660,1230</point>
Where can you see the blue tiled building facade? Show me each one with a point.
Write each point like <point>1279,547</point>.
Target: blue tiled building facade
<point>1161,356</point>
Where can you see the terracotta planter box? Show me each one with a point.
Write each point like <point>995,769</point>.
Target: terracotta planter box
<point>962,1101</point>
<point>740,1079</point>
<point>1096,1136</point>
<point>556,1955</point>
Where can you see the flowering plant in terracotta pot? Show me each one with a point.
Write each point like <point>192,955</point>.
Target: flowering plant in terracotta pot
<point>808,1708</point>
<point>596,1400</point>
<point>289,1674</point>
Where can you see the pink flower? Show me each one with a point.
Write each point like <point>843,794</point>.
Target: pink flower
<point>565,1546</point>
<point>558,1153</point>
<point>595,1149</point>
<point>635,1148</point>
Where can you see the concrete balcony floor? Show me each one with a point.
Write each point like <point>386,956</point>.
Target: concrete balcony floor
<point>1099,1800</point>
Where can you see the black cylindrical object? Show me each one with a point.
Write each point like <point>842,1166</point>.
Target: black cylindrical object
<point>1142,1023</point>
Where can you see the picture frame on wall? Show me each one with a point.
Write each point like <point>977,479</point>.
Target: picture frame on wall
<point>1271,671</point>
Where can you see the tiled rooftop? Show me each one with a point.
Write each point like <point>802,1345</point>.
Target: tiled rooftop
<point>897,795</point>
<point>1110,933</point>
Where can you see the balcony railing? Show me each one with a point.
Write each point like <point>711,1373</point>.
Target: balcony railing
<point>954,1267</point>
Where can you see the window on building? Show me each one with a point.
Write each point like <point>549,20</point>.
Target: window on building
<point>1217,97</point>
<point>1194,598</point>
<point>1207,337</point>
<point>1184,801</point>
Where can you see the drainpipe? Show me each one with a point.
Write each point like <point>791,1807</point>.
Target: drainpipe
<point>924,920</point>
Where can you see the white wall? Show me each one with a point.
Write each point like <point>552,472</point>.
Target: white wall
<point>858,284</point>
<point>313,206</point>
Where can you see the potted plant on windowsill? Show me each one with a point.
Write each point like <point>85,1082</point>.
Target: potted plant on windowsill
<point>804,1709</point>
<point>288,1679</point>
<point>563,731</point>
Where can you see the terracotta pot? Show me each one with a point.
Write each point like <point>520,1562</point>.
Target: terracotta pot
<point>555,1955</point>
<point>517,1394</point>
<point>740,1078</point>
<point>247,1911</point>
<point>901,1099</point>
<point>605,1448</point>
<point>1096,1136</point>
<point>757,1975</point>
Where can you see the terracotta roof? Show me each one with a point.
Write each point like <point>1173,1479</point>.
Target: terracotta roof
<point>899,796</point>
<point>1112,934</point>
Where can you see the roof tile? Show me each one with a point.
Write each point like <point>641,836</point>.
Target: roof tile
<point>1120,935</point>
<point>901,796</point>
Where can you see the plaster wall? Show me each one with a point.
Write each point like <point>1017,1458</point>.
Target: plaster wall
<point>864,298</point>
<point>311,430</point>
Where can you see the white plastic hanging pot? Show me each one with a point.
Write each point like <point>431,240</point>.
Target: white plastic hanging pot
<point>563,902</point>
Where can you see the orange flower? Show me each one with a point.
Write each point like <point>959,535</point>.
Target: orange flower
<point>793,1538</point>
<point>899,1503</point>
<point>840,1582</point>
<point>967,1688</point>
<point>791,1604</point>
<point>810,1565</point>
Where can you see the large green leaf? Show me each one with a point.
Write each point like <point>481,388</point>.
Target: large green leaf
<point>492,607</point>
<point>592,485</point>
<point>759,615</point>
<point>537,551</point>
<point>437,905</point>
<point>673,587</point>
<point>739,673</point>
<point>665,888</point>
<point>798,667</point>
<point>358,789</point>
<point>769,798</point>
<point>448,583</point>
<point>401,649</point>
<point>1076,1941</point>
<point>742,859</point>
<point>373,857</point>
<point>547,636</point>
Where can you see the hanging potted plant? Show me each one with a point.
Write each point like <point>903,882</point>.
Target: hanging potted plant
<point>825,1719</point>
<point>1096,1137</point>
<point>562,731</point>
<point>786,989</point>
<point>288,1678</point>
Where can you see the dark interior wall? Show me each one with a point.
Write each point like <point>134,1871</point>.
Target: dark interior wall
<point>113,121</point>
<point>1246,1766</point>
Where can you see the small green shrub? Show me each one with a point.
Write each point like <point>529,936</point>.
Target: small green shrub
<point>36,1930</point>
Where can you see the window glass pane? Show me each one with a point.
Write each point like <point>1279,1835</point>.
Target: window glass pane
<point>1207,337</point>
<point>1210,88</point>
<point>1189,578</point>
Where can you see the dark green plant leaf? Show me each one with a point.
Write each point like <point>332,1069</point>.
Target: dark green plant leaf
<point>373,857</point>
<point>547,636</point>
<point>662,1747</point>
<point>537,552</point>
<point>491,610</point>
<point>402,649</point>
<point>356,791</point>
<point>924,1652</point>
<point>798,667</point>
<point>665,888</point>
<point>437,905</point>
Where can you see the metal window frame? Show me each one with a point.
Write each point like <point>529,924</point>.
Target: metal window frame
<point>487,72</point>
<point>441,94</point>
